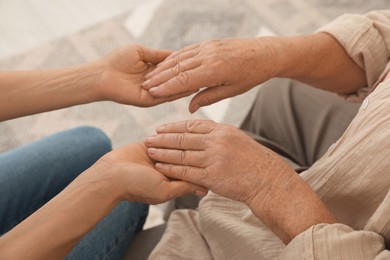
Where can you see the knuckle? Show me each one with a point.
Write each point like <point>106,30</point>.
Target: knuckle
<point>191,125</point>
<point>183,78</point>
<point>176,70</point>
<point>180,139</point>
<point>176,59</point>
<point>184,173</point>
<point>183,157</point>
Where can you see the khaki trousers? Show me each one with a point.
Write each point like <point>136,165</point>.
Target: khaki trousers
<point>297,121</point>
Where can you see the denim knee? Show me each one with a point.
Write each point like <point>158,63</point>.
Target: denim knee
<point>33,174</point>
<point>93,139</point>
<point>82,146</point>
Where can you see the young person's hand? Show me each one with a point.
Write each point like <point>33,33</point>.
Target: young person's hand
<point>124,70</point>
<point>135,175</point>
<point>116,77</point>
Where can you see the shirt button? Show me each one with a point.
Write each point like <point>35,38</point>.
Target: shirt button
<point>365,103</point>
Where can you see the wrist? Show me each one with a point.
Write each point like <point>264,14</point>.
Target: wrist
<point>288,205</point>
<point>108,178</point>
<point>89,76</point>
<point>279,179</point>
<point>270,49</point>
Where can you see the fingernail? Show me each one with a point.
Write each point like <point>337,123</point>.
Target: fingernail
<point>201,193</point>
<point>160,128</point>
<point>150,139</point>
<point>152,150</point>
<point>146,83</point>
<point>154,90</point>
<point>159,166</point>
<point>194,108</point>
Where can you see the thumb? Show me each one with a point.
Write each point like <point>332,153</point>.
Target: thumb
<point>154,56</point>
<point>210,96</point>
<point>181,188</point>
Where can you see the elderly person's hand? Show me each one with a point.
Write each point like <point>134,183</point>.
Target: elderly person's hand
<point>229,163</point>
<point>229,67</point>
<point>225,67</point>
<point>219,157</point>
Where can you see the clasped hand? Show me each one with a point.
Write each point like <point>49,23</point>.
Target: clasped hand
<point>132,175</point>
<point>219,157</point>
<point>122,73</point>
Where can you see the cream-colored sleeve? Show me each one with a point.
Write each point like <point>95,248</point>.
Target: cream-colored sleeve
<point>366,38</point>
<point>335,241</point>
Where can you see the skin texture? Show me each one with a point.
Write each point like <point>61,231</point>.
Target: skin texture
<point>224,68</point>
<point>231,164</point>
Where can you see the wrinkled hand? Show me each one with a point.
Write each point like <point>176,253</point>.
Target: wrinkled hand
<point>124,70</point>
<point>225,68</point>
<point>140,180</point>
<point>219,157</point>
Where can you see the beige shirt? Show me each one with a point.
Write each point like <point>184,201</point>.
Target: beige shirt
<point>352,178</point>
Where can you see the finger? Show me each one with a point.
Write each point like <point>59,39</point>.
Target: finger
<point>189,126</point>
<point>171,72</point>
<point>171,98</point>
<point>180,157</point>
<point>185,173</point>
<point>154,56</point>
<point>194,79</point>
<point>180,188</point>
<point>210,96</point>
<point>182,141</point>
<point>171,62</point>
<point>183,50</point>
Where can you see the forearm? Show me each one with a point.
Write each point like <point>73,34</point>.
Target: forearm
<point>287,205</point>
<point>53,230</point>
<point>318,60</point>
<point>29,92</point>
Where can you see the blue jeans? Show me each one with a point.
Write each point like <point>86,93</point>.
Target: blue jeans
<point>31,175</point>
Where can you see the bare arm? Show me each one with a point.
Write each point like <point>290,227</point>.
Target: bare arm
<point>123,174</point>
<point>320,61</point>
<point>31,92</point>
<point>116,77</point>
<point>230,67</point>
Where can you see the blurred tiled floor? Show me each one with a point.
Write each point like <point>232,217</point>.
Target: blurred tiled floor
<point>27,23</point>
